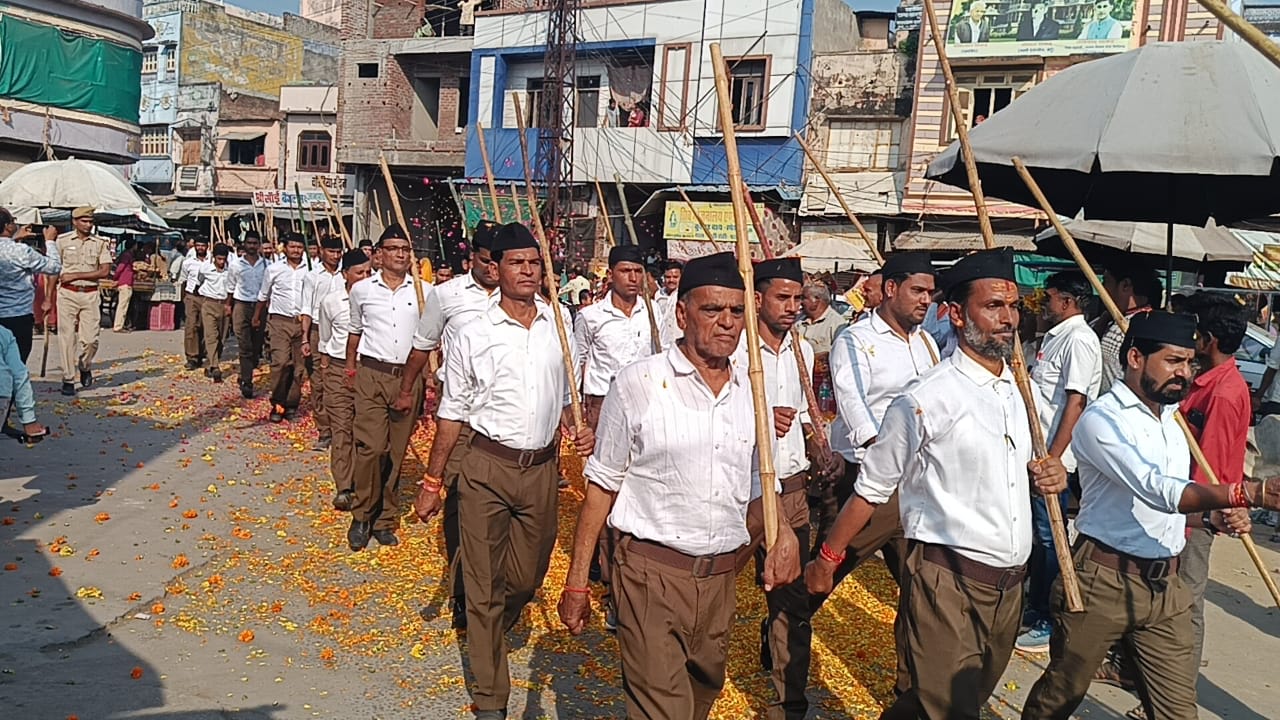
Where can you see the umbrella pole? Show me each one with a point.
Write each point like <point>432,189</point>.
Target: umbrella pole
<point>1168,270</point>
<point>1123,322</point>
<point>635,240</point>
<point>1040,450</point>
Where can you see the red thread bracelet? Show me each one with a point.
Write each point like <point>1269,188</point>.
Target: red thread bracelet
<point>1237,496</point>
<point>829,555</point>
<point>579,591</point>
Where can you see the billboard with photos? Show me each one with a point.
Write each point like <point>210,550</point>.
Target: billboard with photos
<point>1012,28</point>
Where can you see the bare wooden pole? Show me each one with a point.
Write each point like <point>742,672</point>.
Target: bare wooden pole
<point>550,273</point>
<point>697,216</point>
<point>604,213</point>
<point>831,185</point>
<point>755,368</point>
<point>342,226</point>
<point>1057,524</point>
<point>413,255</point>
<point>377,210</point>
<point>306,249</point>
<point>488,171</point>
<point>635,240</point>
<point>1123,323</point>
<point>515,199</point>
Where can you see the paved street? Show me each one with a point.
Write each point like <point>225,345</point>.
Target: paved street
<point>169,554</point>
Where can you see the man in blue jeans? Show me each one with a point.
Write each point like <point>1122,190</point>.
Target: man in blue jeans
<point>1067,374</point>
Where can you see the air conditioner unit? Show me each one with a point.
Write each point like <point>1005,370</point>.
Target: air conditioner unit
<point>189,178</point>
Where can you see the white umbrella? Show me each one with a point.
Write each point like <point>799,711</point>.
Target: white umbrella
<point>1193,246</point>
<point>827,253</point>
<point>69,184</point>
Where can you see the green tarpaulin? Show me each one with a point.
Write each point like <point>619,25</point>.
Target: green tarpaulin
<point>44,65</point>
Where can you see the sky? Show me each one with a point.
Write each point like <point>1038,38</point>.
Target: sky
<point>271,6</point>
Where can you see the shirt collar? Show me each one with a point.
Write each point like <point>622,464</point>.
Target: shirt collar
<point>1213,376</point>
<point>975,372</point>
<point>1129,400</point>
<point>606,304</point>
<point>880,326</point>
<point>682,366</point>
<point>1074,322</point>
<point>498,316</point>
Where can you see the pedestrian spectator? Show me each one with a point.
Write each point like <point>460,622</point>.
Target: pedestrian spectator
<point>15,389</point>
<point>124,286</point>
<point>821,322</point>
<point>1134,289</point>
<point>86,259</point>
<point>19,264</point>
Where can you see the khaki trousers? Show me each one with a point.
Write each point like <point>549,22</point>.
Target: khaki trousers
<point>607,542</point>
<point>673,636</point>
<point>286,360</point>
<point>959,636</point>
<point>248,339</point>
<point>1153,618</point>
<point>507,517</point>
<point>79,318</point>
<point>452,536</point>
<point>381,437</point>
<point>341,407</point>
<point>124,293</point>
<point>213,326</point>
<point>323,426</point>
<point>192,332</point>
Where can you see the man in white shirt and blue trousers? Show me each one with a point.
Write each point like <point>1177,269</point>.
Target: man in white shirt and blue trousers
<point>1134,466</point>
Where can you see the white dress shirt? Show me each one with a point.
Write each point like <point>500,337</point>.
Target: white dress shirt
<point>1070,360</point>
<point>316,284</point>
<point>212,282</point>
<point>678,455</point>
<point>782,388</point>
<point>870,365</point>
<point>245,281</point>
<point>452,305</point>
<point>385,318</point>
<point>507,381</point>
<point>955,444</point>
<point>1133,468</point>
<point>334,318</point>
<point>282,289</point>
<point>191,266</point>
<point>668,329</point>
<point>607,340</point>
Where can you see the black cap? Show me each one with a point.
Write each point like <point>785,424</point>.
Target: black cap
<point>393,231</point>
<point>292,236</point>
<point>1163,327</point>
<point>513,236</point>
<point>907,263</point>
<point>332,242</point>
<point>783,268</point>
<point>221,250</point>
<point>720,269</point>
<point>365,243</point>
<point>352,258</point>
<point>482,238</point>
<point>252,235</point>
<point>672,265</point>
<point>995,264</point>
<point>626,253</point>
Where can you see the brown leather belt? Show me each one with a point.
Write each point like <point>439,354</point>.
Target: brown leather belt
<point>382,367</point>
<point>700,566</point>
<point>1145,568</point>
<point>524,458</point>
<point>79,288</point>
<point>795,482</point>
<point>999,578</point>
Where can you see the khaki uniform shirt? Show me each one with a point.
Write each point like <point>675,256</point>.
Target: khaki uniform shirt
<point>81,256</point>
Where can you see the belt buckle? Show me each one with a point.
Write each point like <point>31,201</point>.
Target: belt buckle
<point>525,461</point>
<point>1156,571</point>
<point>1006,580</point>
<point>397,371</point>
<point>702,566</point>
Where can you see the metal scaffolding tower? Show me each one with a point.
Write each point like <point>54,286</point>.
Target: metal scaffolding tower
<point>556,113</point>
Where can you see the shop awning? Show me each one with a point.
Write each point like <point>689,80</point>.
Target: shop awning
<point>956,241</point>
<point>243,135</point>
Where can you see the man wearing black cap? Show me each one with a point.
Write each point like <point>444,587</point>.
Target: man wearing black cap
<point>672,474</point>
<point>384,312</point>
<point>315,286</point>
<point>245,280</point>
<point>956,446</point>
<point>333,316</point>
<point>280,299</point>
<point>449,308</point>
<point>192,340</point>
<point>1135,479</point>
<point>505,377</point>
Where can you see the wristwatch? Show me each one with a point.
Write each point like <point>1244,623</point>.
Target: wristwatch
<point>1206,520</point>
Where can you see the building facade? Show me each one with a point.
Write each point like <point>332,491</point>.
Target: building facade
<point>88,108</point>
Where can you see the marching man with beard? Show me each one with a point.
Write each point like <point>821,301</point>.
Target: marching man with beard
<point>956,446</point>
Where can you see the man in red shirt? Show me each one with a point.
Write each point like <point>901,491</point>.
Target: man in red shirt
<point>1218,410</point>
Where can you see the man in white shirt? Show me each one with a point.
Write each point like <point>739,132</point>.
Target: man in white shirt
<point>246,275</point>
<point>1067,374</point>
<point>384,313</point>
<point>192,337</point>
<point>315,286</point>
<point>212,282</point>
<point>280,299</point>
<point>333,316</point>
<point>505,377</point>
<point>1135,479</point>
<point>571,293</point>
<point>664,302</point>
<point>672,473</point>
<point>956,447</point>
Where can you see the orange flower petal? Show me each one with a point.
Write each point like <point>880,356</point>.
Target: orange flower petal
<point>246,636</point>
<point>136,673</point>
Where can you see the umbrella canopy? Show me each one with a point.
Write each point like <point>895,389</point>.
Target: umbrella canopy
<point>825,252</point>
<point>1170,132</point>
<point>1105,241</point>
<point>69,184</point>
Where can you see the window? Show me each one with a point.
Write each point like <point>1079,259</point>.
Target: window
<point>749,90</point>
<point>464,102</point>
<point>673,93</point>
<point>587,105</point>
<point>425,121</point>
<point>313,151</point>
<point>367,70</point>
<point>149,60</point>
<point>983,94</point>
<point>171,59</point>
<point>155,140</point>
<point>191,138</point>
<point>247,151</point>
<point>533,99</point>
<point>864,145</point>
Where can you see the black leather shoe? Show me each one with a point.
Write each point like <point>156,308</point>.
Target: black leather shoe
<point>290,415</point>
<point>216,375</point>
<point>344,500</point>
<point>246,391</point>
<point>322,444</point>
<point>86,378</point>
<point>192,364</point>
<point>358,535</point>
<point>491,715</point>
<point>386,537</point>
<point>766,655</point>
<point>459,614</point>
<point>69,389</point>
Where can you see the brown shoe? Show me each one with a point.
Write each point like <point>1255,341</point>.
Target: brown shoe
<point>1109,673</point>
<point>1138,713</point>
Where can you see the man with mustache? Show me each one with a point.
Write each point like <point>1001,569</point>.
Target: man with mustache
<point>1134,474</point>
<point>956,447</point>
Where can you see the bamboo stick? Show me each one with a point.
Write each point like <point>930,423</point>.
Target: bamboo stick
<point>515,200</point>
<point>1246,30</point>
<point>755,369</point>
<point>488,169</point>
<point>697,216</point>
<point>342,226</point>
<point>1061,543</point>
<point>1123,322</point>
<point>831,185</point>
<point>413,255</point>
<point>635,240</point>
<point>549,273</point>
<point>377,210</point>
<point>604,212</point>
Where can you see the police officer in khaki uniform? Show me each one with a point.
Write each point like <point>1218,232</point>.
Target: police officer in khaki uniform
<point>86,259</point>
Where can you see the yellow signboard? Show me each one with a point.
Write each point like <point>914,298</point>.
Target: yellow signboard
<point>680,223</point>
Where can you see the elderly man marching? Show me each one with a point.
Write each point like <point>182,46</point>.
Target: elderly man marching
<point>672,474</point>
<point>333,316</point>
<point>956,447</point>
<point>505,378</point>
<point>1136,489</point>
<point>86,259</point>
